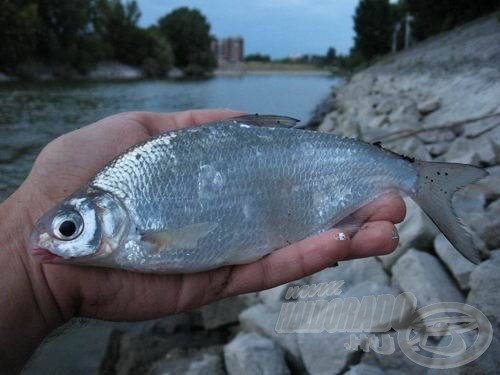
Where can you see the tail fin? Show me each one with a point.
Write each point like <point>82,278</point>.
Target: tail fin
<point>436,185</point>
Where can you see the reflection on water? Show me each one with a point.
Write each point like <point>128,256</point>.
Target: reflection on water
<point>31,115</point>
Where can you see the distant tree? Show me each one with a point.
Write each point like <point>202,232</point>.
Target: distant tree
<point>188,32</point>
<point>65,27</point>
<point>125,41</point>
<point>18,32</point>
<point>373,25</point>
<point>432,17</point>
<point>331,56</point>
<point>258,57</point>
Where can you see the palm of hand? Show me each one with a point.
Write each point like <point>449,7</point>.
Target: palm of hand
<point>71,160</point>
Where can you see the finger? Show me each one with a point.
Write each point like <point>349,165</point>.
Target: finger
<point>374,238</point>
<point>388,207</point>
<point>157,122</point>
<point>290,263</point>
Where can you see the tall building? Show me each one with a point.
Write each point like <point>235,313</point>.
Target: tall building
<point>229,49</point>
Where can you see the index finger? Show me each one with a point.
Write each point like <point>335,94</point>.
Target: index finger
<point>157,122</point>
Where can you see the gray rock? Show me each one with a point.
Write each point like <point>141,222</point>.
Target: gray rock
<point>262,319</point>
<point>434,136</point>
<point>417,230</point>
<point>486,224</point>
<point>389,259</point>
<point>394,362</point>
<point>78,347</point>
<point>422,274</point>
<point>325,351</point>
<point>362,369</point>
<point>461,151</point>
<point>412,147</point>
<point>460,267</point>
<point>429,106</point>
<point>487,363</point>
<point>249,353</point>
<point>328,123</point>
<point>484,282</point>
<point>194,364</point>
<point>353,272</point>
<point>439,148</point>
<point>226,311</point>
<point>475,151</point>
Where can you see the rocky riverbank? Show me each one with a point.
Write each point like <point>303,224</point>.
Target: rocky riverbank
<point>441,84</point>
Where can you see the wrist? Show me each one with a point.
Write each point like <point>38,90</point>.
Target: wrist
<point>28,310</point>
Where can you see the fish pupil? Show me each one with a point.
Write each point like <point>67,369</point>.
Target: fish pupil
<point>67,228</point>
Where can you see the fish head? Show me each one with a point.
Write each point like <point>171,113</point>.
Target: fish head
<point>85,226</point>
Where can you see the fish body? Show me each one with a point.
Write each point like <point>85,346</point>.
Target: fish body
<point>231,192</point>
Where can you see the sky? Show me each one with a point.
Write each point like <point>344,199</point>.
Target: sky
<point>279,28</point>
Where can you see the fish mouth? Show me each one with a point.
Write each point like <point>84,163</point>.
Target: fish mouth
<point>40,254</point>
<point>44,256</point>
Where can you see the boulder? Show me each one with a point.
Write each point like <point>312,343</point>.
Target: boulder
<point>484,282</point>
<point>423,275</point>
<point>433,136</point>
<point>474,151</point>
<point>226,311</point>
<point>198,363</point>
<point>250,353</point>
<point>262,319</point>
<point>438,148</point>
<point>459,267</point>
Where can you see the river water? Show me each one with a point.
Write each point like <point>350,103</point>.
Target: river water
<point>31,115</point>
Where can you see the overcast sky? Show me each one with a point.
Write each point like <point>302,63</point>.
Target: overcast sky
<point>276,27</point>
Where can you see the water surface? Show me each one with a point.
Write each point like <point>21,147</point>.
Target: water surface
<point>31,115</point>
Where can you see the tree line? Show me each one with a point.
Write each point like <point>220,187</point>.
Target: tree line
<point>71,37</point>
<point>376,20</point>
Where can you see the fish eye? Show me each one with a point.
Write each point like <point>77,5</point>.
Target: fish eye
<point>67,226</point>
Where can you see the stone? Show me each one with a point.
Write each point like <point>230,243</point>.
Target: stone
<point>262,319</point>
<point>328,123</point>
<point>438,148</point>
<point>484,282</point>
<point>324,352</point>
<point>460,267</point>
<point>353,272</point>
<point>249,353</point>
<point>421,274</point>
<point>78,347</point>
<point>412,147</point>
<point>191,364</point>
<point>486,223</point>
<point>476,151</point>
<point>389,259</point>
<point>428,106</point>
<point>362,369</point>
<point>378,121</point>
<point>417,230</point>
<point>433,136</point>
<point>226,311</point>
<point>394,362</point>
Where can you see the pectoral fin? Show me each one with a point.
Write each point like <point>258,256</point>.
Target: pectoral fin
<point>180,238</point>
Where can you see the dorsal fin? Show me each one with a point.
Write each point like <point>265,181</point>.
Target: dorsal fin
<point>269,121</point>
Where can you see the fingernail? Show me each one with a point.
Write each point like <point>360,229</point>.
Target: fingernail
<point>341,236</point>
<point>395,234</point>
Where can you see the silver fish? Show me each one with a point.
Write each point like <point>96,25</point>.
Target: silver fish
<point>232,191</point>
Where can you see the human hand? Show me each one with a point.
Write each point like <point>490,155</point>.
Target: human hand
<point>63,291</point>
